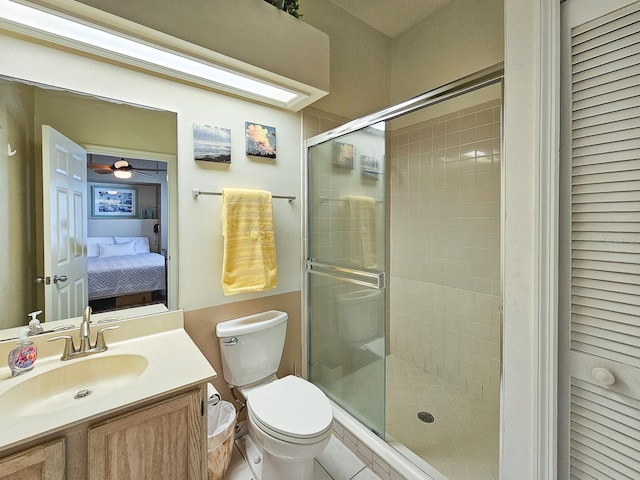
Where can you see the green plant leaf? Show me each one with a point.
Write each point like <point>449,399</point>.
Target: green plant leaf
<point>289,6</point>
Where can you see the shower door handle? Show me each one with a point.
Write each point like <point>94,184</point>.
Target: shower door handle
<point>350,275</point>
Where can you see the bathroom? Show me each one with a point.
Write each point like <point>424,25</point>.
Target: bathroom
<point>526,445</point>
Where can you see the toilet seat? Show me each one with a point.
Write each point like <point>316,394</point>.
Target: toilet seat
<point>291,409</point>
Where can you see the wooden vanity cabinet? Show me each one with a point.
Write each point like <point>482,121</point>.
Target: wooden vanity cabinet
<point>165,440</point>
<point>42,462</point>
<point>162,439</point>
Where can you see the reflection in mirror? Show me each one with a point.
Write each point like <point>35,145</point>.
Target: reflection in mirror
<point>127,157</point>
<point>126,232</point>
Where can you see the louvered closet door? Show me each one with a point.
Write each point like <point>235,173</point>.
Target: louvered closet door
<point>604,322</point>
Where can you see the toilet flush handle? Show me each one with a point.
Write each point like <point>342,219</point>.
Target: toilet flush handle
<point>231,342</point>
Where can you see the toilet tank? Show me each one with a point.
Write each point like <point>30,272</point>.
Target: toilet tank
<point>359,314</point>
<point>251,347</point>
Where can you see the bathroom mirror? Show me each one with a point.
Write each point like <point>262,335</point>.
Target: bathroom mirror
<point>110,131</point>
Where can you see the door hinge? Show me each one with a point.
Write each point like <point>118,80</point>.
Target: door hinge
<point>202,408</point>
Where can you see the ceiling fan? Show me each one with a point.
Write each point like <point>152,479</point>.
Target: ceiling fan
<point>122,169</point>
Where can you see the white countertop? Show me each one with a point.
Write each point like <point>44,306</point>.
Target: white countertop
<point>174,363</point>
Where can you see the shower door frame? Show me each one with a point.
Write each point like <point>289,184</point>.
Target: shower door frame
<point>484,78</point>
<point>476,81</point>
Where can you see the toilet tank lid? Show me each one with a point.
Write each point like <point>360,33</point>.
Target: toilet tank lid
<point>250,324</point>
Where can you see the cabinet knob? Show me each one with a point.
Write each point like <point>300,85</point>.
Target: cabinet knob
<point>603,376</point>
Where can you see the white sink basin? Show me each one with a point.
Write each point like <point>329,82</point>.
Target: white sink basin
<point>148,358</point>
<point>72,382</point>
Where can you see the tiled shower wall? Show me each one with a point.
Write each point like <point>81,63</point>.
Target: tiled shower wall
<point>445,291</point>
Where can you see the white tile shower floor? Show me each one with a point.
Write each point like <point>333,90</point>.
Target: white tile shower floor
<point>463,441</point>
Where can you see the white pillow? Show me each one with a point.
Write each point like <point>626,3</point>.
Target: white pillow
<point>116,249</point>
<point>92,244</point>
<point>141,243</point>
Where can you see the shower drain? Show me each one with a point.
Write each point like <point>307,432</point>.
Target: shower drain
<point>426,417</point>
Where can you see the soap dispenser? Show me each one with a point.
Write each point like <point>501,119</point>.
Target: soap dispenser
<point>23,356</point>
<point>34,325</point>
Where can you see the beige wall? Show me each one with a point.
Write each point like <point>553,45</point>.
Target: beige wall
<point>360,61</point>
<point>370,71</point>
<point>17,292</point>
<point>461,38</point>
<point>87,120</point>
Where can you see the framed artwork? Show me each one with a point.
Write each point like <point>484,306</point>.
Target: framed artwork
<point>211,144</point>
<point>114,201</point>
<point>369,168</point>
<point>342,155</point>
<point>261,140</point>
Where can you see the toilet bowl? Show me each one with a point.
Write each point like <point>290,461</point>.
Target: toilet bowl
<point>290,424</point>
<point>290,420</point>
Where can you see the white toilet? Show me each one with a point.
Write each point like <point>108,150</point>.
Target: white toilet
<point>289,419</point>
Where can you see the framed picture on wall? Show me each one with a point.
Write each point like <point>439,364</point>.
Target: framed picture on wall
<point>369,168</point>
<point>261,140</point>
<point>114,201</point>
<point>211,144</point>
<point>342,155</point>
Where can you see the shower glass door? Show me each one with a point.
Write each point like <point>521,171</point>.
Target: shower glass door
<point>346,272</point>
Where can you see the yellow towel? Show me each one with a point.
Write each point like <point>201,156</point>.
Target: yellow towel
<point>249,259</point>
<point>362,230</point>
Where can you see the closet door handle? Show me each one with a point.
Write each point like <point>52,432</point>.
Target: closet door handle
<point>603,376</point>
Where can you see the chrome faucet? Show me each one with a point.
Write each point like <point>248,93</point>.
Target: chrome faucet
<point>85,331</point>
<point>85,348</point>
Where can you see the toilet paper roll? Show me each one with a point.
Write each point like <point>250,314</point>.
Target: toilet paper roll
<point>213,397</point>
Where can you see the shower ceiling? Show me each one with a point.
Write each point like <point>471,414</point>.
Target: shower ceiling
<point>391,18</point>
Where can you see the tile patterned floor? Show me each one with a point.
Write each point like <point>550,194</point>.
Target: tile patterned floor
<point>462,442</point>
<point>337,462</point>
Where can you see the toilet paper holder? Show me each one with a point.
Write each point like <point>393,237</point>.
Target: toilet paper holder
<point>213,397</point>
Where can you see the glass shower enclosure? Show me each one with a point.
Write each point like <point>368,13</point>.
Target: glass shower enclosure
<point>403,273</point>
<point>346,266</point>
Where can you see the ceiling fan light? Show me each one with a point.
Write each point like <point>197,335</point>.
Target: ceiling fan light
<point>121,163</point>
<point>123,173</point>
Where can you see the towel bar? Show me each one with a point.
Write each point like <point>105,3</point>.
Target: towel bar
<point>195,192</point>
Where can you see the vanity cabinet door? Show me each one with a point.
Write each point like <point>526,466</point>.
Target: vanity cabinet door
<point>164,441</point>
<point>43,462</point>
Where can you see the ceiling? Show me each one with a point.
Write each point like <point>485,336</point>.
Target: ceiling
<point>391,17</point>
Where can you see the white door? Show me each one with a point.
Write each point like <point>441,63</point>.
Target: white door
<point>599,378</point>
<point>64,167</point>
